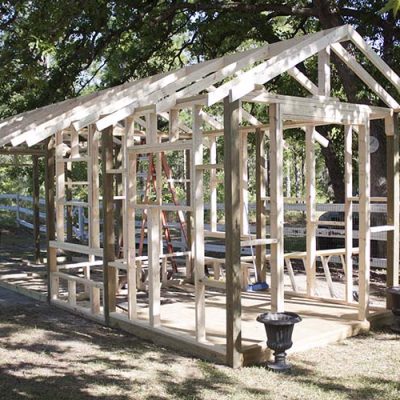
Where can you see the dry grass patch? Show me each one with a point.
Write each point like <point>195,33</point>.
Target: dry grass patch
<point>48,354</point>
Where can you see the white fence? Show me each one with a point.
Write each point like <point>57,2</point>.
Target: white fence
<point>22,207</point>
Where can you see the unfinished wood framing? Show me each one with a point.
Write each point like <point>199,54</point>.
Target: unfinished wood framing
<point>276,214</point>
<point>109,272</point>
<point>261,222</point>
<point>348,212</point>
<point>119,130</point>
<point>393,208</point>
<point>311,241</point>
<point>233,225</point>
<point>364,182</point>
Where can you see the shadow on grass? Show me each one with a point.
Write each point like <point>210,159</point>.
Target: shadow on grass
<point>49,369</point>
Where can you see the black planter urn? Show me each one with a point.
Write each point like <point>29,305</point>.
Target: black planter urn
<point>395,293</point>
<point>279,329</point>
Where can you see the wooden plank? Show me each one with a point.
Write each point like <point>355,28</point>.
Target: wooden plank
<point>374,58</point>
<point>60,187</point>
<point>393,208</point>
<point>36,207</point>
<point>291,274</point>
<point>50,217</point>
<point>364,240</point>
<point>232,242</point>
<point>109,275</point>
<point>71,292</point>
<point>303,80</point>
<point>258,242</point>
<point>261,180</point>
<point>277,65</point>
<point>76,248</point>
<point>330,113</point>
<point>74,153</point>
<point>324,72</point>
<point>311,211</point>
<point>317,102</point>
<point>198,223</point>
<point>244,185</point>
<point>277,207</point>
<point>161,147</point>
<point>78,279</point>
<point>173,131</point>
<point>95,300</point>
<point>154,231</point>
<point>213,184</point>
<point>328,277</point>
<point>130,232</point>
<point>93,176</point>
<point>169,337</point>
<point>351,62</point>
<point>348,210</point>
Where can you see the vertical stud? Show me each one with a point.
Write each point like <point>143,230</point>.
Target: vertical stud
<point>276,214</point>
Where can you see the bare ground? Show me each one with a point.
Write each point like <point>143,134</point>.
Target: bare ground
<point>46,353</point>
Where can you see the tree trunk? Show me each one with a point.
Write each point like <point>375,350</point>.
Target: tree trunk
<point>328,19</point>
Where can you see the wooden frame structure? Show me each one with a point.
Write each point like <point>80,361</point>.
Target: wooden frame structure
<point>122,125</point>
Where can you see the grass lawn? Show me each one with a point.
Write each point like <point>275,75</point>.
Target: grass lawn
<point>48,354</point>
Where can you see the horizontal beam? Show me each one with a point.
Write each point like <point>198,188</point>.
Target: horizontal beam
<point>161,147</point>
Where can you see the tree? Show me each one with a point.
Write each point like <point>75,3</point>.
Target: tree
<point>53,50</point>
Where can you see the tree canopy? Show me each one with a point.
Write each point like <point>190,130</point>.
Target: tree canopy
<point>54,50</point>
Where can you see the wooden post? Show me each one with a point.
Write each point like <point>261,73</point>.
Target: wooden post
<point>118,161</point>
<point>68,178</point>
<point>154,237</point>
<point>36,208</point>
<point>109,275</point>
<point>188,190</point>
<point>198,223</point>
<point>213,184</point>
<point>93,177</point>
<point>130,163</point>
<point>364,218</point>
<point>244,194</point>
<point>260,208</point>
<point>232,225</point>
<point>311,257</point>
<point>173,125</point>
<point>60,187</point>
<point>393,208</point>
<point>94,187</point>
<point>324,72</point>
<point>276,214</point>
<point>52,285</point>
<point>348,210</point>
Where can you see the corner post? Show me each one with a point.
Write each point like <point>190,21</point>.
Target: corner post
<point>109,275</point>
<point>36,207</point>
<point>232,225</point>
<point>364,218</point>
<point>393,207</point>
<point>52,285</point>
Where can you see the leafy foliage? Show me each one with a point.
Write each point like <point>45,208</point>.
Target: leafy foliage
<point>54,50</point>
